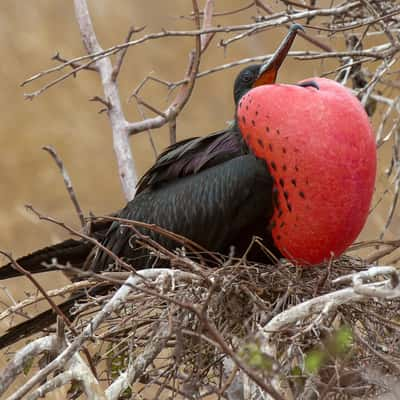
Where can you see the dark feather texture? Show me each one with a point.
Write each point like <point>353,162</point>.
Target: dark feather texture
<point>213,208</point>
<point>208,189</point>
<point>190,156</point>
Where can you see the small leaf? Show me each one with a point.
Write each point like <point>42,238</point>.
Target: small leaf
<point>314,361</point>
<point>296,371</point>
<point>28,365</point>
<point>341,342</point>
<point>253,355</point>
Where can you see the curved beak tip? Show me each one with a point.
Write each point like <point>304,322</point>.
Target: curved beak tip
<point>269,70</point>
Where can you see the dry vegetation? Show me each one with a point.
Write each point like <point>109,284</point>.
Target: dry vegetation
<point>263,331</point>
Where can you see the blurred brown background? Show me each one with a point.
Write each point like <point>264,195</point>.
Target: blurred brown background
<point>63,117</point>
<point>30,34</point>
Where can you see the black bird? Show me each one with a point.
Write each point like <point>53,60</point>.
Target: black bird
<point>210,189</point>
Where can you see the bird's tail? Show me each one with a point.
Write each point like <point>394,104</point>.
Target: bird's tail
<point>70,251</point>
<point>47,318</point>
<point>38,323</point>
<point>73,252</point>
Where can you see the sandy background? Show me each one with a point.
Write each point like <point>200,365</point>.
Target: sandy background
<point>30,33</point>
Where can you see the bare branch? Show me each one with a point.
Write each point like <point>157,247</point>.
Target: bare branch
<point>67,182</point>
<point>107,104</point>
<point>121,55</point>
<point>183,94</point>
<point>207,21</point>
<point>324,304</point>
<point>30,276</point>
<point>154,346</point>
<point>126,165</point>
<point>73,287</point>
<point>333,11</point>
<point>357,293</point>
<point>304,35</point>
<point>57,57</point>
<point>149,131</point>
<point>116,301</point>
<point>22,357</point>
<point>117,259</point>
<point>276,20</point>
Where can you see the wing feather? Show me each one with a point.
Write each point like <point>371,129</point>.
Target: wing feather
<point>193,155</point>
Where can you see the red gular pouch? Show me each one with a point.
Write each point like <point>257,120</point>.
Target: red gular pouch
<point>320,149</point>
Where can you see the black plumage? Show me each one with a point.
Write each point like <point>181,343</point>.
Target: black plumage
<point>213,208</point>
<point>209,189</point>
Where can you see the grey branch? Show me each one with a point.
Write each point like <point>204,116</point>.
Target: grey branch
<point>69,355</point>
<point>22,357</point>
<point>362,290</point>
<point>119,125</point>
<point>116,301</point>
<point>154,347</point>
<point>75,371</point>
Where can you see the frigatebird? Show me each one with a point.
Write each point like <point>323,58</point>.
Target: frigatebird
<point>223,189</point>
<point>192,185</point>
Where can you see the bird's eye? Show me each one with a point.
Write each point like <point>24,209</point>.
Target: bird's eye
<point>247,77</point>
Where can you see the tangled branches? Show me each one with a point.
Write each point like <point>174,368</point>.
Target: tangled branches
<point>260,330</point>
<point>194,331</point>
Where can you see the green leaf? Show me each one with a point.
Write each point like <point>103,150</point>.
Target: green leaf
<point>314,361</point>
<point>28,365</point>
<point>253,355</point>
<point>342,341</point>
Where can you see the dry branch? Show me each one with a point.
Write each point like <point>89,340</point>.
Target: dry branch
<point>178,330</point>
<point>222,315</point>
<point>67,182</point>
<point>119,125</point>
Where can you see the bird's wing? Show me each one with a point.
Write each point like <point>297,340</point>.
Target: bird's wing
<point>192,155</point>
<point>213,208</point>
<point>220,206</point>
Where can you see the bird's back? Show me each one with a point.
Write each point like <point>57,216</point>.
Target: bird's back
<point>221,206</point>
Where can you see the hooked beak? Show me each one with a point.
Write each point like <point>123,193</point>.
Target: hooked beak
<point>269,70</point>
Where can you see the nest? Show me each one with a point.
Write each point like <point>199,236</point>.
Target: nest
<point>191,328</point>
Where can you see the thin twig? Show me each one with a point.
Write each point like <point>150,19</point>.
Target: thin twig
<point>67,182</point>
<point>73,287</point>
<point>57,57</point>
<point>30,276</point>
<point>122,54</point>
<point>90,239</point>
<point>207,22</point>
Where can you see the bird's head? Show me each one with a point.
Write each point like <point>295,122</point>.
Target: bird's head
<point>319,146</point>
<point>266,73</point>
